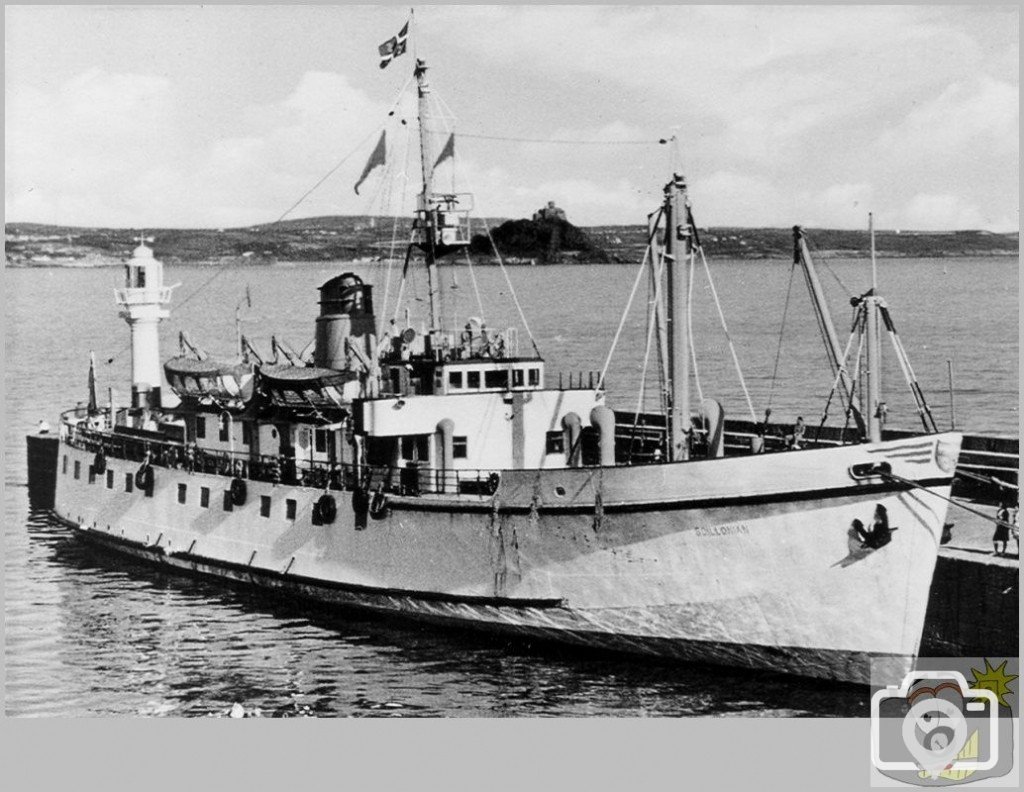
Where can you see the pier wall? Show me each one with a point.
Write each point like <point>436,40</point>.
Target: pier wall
<point>974,606</point>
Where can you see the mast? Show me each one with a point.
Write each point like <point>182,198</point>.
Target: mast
<point>677,259</point>
<point>427,198</point>
<point>874,350</point>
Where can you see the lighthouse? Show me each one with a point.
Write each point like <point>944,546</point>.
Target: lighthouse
<point>143,303</point>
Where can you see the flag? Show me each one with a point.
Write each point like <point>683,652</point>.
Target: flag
<point>447,151</point>
<point>93,407</point>
<point>376,158</point>
<point>393,47</point>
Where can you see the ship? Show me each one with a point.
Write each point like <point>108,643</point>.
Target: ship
<point>437,474</point>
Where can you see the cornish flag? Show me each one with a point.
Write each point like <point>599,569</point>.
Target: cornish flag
<point>393,47</point>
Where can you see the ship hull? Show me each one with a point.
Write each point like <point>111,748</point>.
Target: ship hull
<point>748,562</point>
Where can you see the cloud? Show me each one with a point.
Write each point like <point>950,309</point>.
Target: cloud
<point>928,212</point>
<point>967,115</point>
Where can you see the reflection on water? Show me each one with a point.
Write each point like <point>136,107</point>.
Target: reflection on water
<point>93,634</point>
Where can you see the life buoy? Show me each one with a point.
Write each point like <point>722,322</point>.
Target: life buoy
<point>493,481</point>
<point>99,463</point>
<point>238,492</point>
<point>144,478</point>
<point>326,508</point>
<point>378,505</point>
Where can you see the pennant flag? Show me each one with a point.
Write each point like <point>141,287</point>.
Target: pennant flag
<point>376,158</point>
<point>447,151</point>
<point>393,47</point>
<point>93,407</point>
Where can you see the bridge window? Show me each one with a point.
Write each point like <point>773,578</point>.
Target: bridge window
<point>517,378</point>
<point>555,442</point>
<point>110,479</point>
<point>289,508</point>
<point>320,441</point>
<point>225,425</point>
<point>496,379</point>
<point>264,505</point>
<point>201,427</point>
<point>473,380</point>
<point>204,497</point>
<point>182,493</point>
<point>460,448</point>
<point>129,482</point>
<point>534,377</point>
<point>454,379</point>
<point>78,469</point>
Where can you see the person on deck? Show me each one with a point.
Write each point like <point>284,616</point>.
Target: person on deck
<point>1002,533</point>
<point>796,440</point>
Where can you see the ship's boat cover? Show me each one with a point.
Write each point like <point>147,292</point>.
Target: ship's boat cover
<point>209,381</point>
<point>306,386</point>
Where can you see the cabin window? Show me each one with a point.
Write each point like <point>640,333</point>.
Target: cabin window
<point>517,378</point>
<point>459,448</point>
<point>78,469</point>
<point>454,379</point>
<point>496,379</point>
<point>64,470</point>
<point>229,504</point>
<point>289,508</point>
<point>129,482</point>
<point>182,493</point>
<point>92,474</point>
<point>264,505</point>
<point>473,379</point>
<point>110,479</point>
<point>201,427</point>
<point>246,433</point>
<point>555,442</point>
<point>204,497</point>
<point>534,377</point>
<point>225,427</point>
<point>320,441</point>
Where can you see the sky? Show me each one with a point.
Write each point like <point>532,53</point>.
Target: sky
<point>222,116</point>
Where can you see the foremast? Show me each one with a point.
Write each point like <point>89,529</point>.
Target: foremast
<point>678,247</point>
<point>442,219</point>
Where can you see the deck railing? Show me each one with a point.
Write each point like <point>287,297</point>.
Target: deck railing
<point>412,480</point>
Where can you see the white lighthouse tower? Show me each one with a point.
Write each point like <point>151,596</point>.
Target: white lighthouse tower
<point>143,302</point>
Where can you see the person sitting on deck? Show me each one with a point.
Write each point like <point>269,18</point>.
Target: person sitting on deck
<point>796,440</point>
<point>880,534</point>
<point>1002,533</point>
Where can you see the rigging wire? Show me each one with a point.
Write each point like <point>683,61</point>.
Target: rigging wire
<point>348,156</point>
<point>689,326</point>
<point>476,289</point>
<point>782,331</point>
<point>512,291</point>
<point>566,142</point>
<point>732,348</point>
<point>650,337</point>
<point>622,321</point>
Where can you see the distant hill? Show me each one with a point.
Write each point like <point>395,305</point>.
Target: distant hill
<point>364,237</point>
